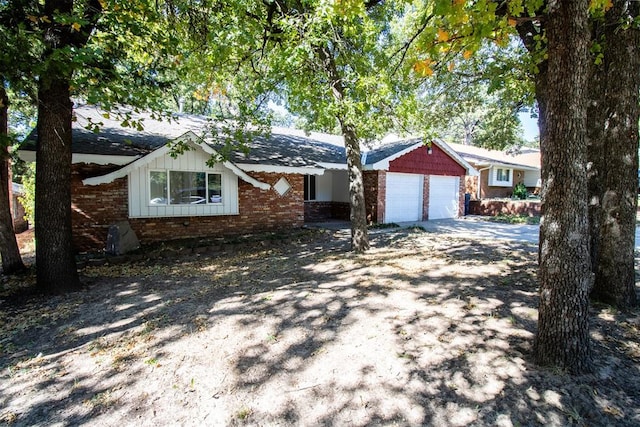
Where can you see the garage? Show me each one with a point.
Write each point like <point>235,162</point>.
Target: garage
<point>404,197</point>
<point>444,201</point>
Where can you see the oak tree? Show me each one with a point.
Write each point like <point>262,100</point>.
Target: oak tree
<point>11,259</point>
<point>101,49</point>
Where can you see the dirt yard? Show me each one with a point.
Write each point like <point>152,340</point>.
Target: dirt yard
<point>421,330</point>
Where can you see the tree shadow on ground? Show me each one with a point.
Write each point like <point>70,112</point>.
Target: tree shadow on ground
<point>422,330</point>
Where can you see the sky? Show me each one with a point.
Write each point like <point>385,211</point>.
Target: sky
<point>529,126</point>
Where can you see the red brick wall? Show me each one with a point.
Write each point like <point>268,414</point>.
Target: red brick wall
<point>425,198</point>
<point>461,191</point>
<point>496,207</point>
<point>471,186</point>
<point>487,192</point>
<point>320,211</point>
<point>420,162</point>
<point>375,194</point>
<point>95,208</point>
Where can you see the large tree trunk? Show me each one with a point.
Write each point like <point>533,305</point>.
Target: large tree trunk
<point>11,260</point>
<point>613,158</point>
<point>55,261</point>
<point>565,274</point>
<point>359,236</point>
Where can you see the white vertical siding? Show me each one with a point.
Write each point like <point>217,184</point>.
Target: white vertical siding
<point>340,192</point>
<point>324,184</point>
<point>532,178</point>
<point>191,161</point>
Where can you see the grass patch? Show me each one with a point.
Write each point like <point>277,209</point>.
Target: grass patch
<point>515,219</point>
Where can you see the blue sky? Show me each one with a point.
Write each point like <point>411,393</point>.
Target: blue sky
<point>529,126</point>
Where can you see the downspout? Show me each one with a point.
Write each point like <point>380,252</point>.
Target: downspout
<point>480,179</point>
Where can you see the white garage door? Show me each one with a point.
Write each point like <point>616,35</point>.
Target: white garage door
<point>443,196</point>
<point>404,197</point>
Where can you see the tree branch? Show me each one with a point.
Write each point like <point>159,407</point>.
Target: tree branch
<point>405,48</point>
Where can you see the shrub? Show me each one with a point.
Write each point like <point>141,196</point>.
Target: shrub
<point>520,191</point>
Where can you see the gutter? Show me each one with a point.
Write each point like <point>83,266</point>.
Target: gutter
<point>480,179</point>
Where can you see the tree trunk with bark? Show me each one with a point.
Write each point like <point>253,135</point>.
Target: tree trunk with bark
<point>613,117</point>
<point>11,260</point>
<point>55,260</point>
<point>358,216</point>
<point>565,274</point>
<point>359,236</point>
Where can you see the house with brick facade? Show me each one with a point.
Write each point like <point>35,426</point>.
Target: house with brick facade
<point>499,171</point>
<point>168,180</point>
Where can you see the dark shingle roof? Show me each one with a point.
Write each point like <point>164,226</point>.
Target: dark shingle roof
<point>290,150</point>
<point>281,148</point>
<point>389,149</point>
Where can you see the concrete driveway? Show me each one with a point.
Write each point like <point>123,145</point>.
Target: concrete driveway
<point>469,226</point>
<point>480,228</point>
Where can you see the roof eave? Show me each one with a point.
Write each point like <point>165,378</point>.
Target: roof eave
<point>190,138</point>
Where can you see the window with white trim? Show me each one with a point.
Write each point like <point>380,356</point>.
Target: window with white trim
<point>309,188</point>
<point>184,188</point>
<point>501,177</point>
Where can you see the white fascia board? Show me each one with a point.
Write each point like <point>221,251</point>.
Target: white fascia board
<point>188,137</point>
<point>243,175</point>
<point>99,159</point>
<point>333,166</point>
<point>513,166</point>
<point>384,163</point>
<point>249,167</point>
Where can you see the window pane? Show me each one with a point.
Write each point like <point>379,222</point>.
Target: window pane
<point>506,174</point>
<point>187,188</point>
<point>214,185</point>
<point>158,188</point>
<point>306,187</point>
<point>312,187</point>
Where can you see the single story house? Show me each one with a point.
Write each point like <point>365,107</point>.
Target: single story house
<point>499,171</point>
<point>284,179</point>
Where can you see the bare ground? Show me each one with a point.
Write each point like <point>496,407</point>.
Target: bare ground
<point>421,330</point>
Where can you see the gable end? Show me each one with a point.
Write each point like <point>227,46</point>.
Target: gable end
<point>419,161</point>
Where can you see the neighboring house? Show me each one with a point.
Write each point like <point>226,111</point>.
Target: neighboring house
<point>499,172</point>
<point>285,179</point>
<point>18,213</point>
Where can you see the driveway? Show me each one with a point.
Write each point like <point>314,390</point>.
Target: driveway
<point>479,228</point>
<point>476,227</point>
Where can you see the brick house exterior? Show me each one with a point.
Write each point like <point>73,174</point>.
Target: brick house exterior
<point>117,176</point>
<point>522,167</point>
<point>96,207</point>
<point>419,160</point>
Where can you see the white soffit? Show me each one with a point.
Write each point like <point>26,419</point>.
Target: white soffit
<point>333,166</point>
<point>98,159</point>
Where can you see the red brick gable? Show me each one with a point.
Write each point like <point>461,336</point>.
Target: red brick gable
<point>420,162</point>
